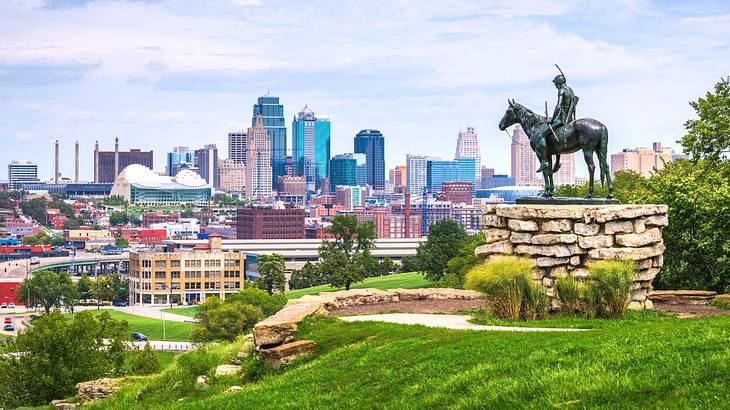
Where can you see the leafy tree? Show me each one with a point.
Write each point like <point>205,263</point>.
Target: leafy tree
<point>121,242</point>
<point>118,218</point>
<point>709,135</point>
<point>58,353</point>
<point>627,184</point>
<point>385,266</point>
<point>271,269</point>
<point>259,298</point>
<point>35,208</point>
<point>459,265</point>
<point>445,237</point>
<point>84,286</point>
<point>343,260</point>
<point>70,297</point>
<point>224,321</point>
<point>115,200</point>
<point>409,263</point>
<point>306,277</point>
<point>47,288</point>
<point>73,223</point>
<point>144,362</point>
<point>111,287</point>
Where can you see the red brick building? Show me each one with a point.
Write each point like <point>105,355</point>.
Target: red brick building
<point>270,223</point>
<point>143,236</point>
<point>149,218</point>
<point>457,192</point>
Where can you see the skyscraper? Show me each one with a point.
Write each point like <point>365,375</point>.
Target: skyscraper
<point>397,178</point>
<point>206,159</point>
<point>258,161</point>
<point>180,157</point>
<point>311,147</point>
<point>439,171</point>
<point>371,143</point>
<point>416,173</point>
<point>467,146</point>
<point>232,176</point>
<point>643,161</point>
<point>566,173</point>
<point>343,171</point>
<point>237,146</point>
<point>20,171</point>
<point>272,114</point>
<point>110,163</point>
<point>524,161</point>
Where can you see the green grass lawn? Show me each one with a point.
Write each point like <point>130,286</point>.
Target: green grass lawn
<point>646,361</point>
<point>152,328</point>
<point>166,358</point>
<point>408,280</point>
<point>184,311</point>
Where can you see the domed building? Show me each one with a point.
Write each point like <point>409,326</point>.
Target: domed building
<point>140,185</point>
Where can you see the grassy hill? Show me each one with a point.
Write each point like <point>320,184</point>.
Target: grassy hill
<point>152,328</point>
<point>647,361</point>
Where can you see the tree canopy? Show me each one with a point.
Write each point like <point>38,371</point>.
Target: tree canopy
<point>708,136</point>
<point>445,237</point>
<point>271,269</point>
<point>343,259</point>
<point>49,289</point>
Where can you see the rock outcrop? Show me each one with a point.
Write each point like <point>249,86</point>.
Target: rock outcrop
<point>565,239</point>
<point>97,389</point>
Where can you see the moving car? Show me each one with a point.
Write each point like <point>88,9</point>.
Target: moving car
<point>3,305</point>
<point>139,337</point>
<point>9,328</point>
<point>34,260</point>
<point>119,303</point>
<point>11,305</point>
<point>8,320</point>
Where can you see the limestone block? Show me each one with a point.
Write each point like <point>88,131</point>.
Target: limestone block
<point>557,225</point>
<point>560,251</point>
<point>97,389</point>
<point>575,260</point>
<point>493,221</point>
<point>202,382</point>
<point>648,304</point>
<point>537,274</point>
<point>581,273</point>
<point>636,305</point>
<point>587,229</point>
<point>436,294</point>
<point>559,272</point>
<point>657,220</point>
<point>658,261</point>
<point>522,226</point>
<point>639,226</point>
<point>575,249</point>
<point>232,389</point>
<point>281,327</point>
<point>489,208</point>
<point>636,240</point>
<point>619,227</point>
<point>520,237</point>
<point>548,281</point>
<point>646,274</point>
<point>612,213</point>
<point>227,370</point>
<point>639,295</point>
<point>286,353</point>
<point>540,212</point>
<point>644,263</point>
<point>492,235</point>
<point>545,261</point>
<point>496,247</point>
<point>552,239</point>
<point>598,241</point>
<point>633,254</point>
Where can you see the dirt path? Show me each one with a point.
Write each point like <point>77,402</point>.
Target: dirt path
<point>411,306</point>
<point>457,322</point>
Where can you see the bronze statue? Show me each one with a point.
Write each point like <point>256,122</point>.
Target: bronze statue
<point>562,134</point>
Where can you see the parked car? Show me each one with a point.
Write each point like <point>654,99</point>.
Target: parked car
<point>139,337</point>
<point>8,320</point>
<point>9,328</point>
<point>11,305</point>
<point>34,260</point>
<point>3,305</point>
<point>119,303</point>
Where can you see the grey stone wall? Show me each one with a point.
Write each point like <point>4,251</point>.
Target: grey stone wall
<point>564,239</point>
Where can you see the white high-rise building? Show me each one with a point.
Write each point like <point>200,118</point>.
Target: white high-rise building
<point>467,146</point>
<point>20,171</point>
<point>237,146</point>
<point>416,173</point>
<point>566,173</point>
<point>524,161</point>
<point>232,176</point>
<point>258,162</point>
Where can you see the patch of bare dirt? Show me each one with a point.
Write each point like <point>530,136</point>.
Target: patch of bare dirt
<point>411,306</point>
<point>687,310</point>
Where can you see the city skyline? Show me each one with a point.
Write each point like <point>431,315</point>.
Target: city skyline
<point>186,78</point>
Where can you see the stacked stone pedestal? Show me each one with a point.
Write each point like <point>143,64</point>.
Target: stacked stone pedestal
<point>563,239</point>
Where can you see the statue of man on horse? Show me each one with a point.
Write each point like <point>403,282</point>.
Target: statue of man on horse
<point>562,134</point>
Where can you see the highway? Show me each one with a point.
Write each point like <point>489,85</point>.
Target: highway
<point>20,268</point>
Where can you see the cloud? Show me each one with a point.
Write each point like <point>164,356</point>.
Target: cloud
<point>67,4</point>
<point>43,72</point>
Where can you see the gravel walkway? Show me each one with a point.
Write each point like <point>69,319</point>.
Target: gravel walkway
<point>411,306</point>
<point>459,322</point>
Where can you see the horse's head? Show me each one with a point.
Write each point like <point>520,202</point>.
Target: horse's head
<point>510,116</point>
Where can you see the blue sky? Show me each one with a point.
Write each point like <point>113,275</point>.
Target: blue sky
<point>163,73</point>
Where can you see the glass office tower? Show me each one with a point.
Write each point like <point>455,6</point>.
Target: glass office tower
<point>372,144</point>
<point>311,147</point>
<point>272,113</point>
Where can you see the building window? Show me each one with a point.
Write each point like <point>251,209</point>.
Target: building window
<point>160,275</point>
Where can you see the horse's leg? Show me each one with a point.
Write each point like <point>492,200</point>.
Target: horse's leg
<point>557,163</point>
<point>603,162</point>
<point>549,186</point>
<point>588,155</point>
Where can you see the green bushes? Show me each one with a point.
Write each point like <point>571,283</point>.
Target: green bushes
<point>506,283</point>
<point>513,295</point>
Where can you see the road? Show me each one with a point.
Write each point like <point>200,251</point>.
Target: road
<point>19,268</point>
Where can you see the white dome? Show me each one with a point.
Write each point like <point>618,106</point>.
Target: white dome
<point>189,178</point>
<point>142,176</point>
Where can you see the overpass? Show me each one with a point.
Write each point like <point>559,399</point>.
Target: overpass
<point>79,264</point>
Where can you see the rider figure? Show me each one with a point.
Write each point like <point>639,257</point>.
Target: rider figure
<point>564,114</point>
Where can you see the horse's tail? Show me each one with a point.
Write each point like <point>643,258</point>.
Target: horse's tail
<point>602,154</point>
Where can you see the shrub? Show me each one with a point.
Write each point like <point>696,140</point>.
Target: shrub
<point>199,361</point>
<point>534,300</point>
<point>269,304</point>
<point>613,282</point>
<point>590,300</point>
<point>502,280</point>
<point>568,292</point>
<point>144,362</point>
<point>721,303</point>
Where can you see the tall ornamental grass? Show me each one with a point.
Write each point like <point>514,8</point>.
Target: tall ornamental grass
<point>610,288</point>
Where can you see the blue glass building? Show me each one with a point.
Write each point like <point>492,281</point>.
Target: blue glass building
<point>311,147</point>
<point>272,114</point>
<point>440,171</point>
<point>343,171</point>
<point>372,144</point>
<point>180,157</point>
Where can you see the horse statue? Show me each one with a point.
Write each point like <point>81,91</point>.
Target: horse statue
<point>584,134</point>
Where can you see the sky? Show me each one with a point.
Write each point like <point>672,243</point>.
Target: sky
<point>159,73</point>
